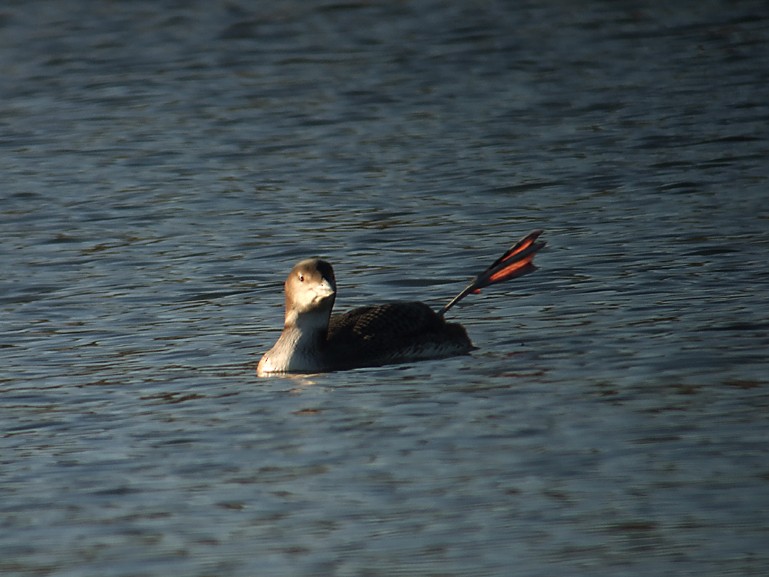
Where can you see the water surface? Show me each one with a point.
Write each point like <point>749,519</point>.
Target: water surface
<point>164,165</point>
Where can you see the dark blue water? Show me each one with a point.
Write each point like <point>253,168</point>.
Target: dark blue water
<point>165,163</point>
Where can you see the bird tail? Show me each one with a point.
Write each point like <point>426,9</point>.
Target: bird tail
<point>517,261</point>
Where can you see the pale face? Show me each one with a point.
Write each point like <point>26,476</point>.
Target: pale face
<point>310,286</point>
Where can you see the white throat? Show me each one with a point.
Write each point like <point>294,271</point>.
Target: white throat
<point>299,348</point>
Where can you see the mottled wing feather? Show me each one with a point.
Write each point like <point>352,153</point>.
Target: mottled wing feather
<point>392,320</point>
<point>380,333</point>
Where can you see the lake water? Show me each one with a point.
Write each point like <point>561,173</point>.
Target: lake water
<point>165,163</point>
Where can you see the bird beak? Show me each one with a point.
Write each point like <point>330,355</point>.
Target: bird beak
<point>325,289</point>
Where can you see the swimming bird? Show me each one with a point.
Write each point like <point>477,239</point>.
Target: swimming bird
<point>313,340</point>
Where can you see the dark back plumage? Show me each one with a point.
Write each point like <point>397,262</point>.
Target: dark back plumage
<point>379,334</point>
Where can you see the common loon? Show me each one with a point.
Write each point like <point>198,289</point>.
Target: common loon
<point>313,340</point>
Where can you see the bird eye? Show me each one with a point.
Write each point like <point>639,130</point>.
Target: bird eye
<point>301,277</point>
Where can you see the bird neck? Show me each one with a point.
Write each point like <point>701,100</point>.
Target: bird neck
<point>301,345</point>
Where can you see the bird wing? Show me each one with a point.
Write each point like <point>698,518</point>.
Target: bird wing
<point>384,322</point>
